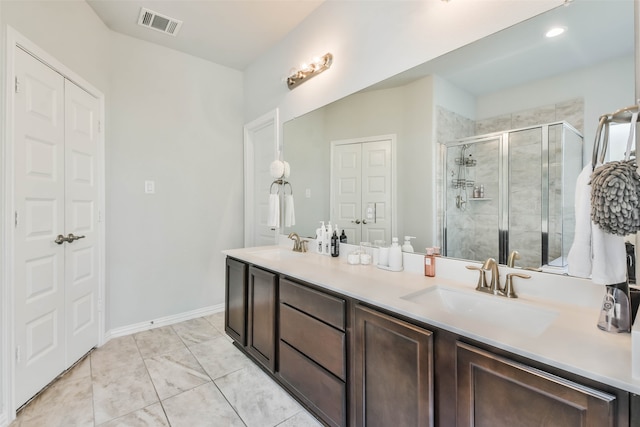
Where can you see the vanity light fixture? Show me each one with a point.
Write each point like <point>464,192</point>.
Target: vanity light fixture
<point>308,71</point>
<point>555,32</point>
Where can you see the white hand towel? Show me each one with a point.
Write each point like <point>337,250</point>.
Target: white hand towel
<point>289,211</point>
<point>274,211</point>
<point>593,252</point>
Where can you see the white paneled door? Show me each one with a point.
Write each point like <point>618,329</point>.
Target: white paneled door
<point>260,149</point>
<point>361,189</point>
<point>56,201</point>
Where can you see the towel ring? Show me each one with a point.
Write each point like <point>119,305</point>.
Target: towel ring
<point>623,115</point>
<point>279,182</point>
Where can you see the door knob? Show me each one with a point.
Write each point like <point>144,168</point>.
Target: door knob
<point>71,237</point>
<point>357,221</point>
<point>61,239</point>
<point>364,221</point>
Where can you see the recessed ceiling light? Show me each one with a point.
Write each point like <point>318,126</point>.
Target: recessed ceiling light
<point>554,32</point>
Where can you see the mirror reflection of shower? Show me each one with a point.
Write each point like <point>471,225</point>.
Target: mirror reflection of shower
<point>460,179</point>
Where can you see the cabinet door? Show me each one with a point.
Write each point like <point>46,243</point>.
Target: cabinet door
<point>235,314</point>
<point>495,392</point>
<point>261,331</point>
<point>393,371</point>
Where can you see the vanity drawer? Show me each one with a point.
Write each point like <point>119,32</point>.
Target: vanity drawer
<point>318,341</point>
<point>324,307</point>
<point>321,390</point>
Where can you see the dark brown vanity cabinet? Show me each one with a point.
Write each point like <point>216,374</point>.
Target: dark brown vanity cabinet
<point>235,314</point>
<point>393,371</point>
<point>353,365</point>
<point>494,391</point>
<point>312,349</point>
<point>262,300</point>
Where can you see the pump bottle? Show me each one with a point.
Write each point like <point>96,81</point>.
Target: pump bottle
<point>407,247</point>
<point>320,238</point>
<point>395,255</point>
<point>335,245</point>
<point>430,263</point>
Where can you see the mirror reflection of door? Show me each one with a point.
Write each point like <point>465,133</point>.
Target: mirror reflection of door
<point>361,190</point>
<point>260,143</point>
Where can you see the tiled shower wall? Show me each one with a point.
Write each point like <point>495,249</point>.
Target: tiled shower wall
<point>472,226</point>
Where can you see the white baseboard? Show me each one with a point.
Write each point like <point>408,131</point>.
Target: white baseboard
<point>3,420</point>
<point>163,321</point>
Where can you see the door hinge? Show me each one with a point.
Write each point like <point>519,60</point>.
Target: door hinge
<point>16,219</point>
<point>17,85</point>
<point>18,355</point>
<point>99,126</point>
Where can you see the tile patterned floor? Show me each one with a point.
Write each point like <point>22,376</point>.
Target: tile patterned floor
<point>187,374</point>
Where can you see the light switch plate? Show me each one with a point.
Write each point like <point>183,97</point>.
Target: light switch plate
<point>150,187</point>
<point>307,193</point>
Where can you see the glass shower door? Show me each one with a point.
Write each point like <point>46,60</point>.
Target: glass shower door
<point>472,198</point>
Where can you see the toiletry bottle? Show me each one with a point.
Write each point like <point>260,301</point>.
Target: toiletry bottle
<point>476,192</point>
<point>335,244</point>
<point>407,247</point>
<point>343,237</point>
<point>327,239</point>
<point>482,191</point>
<point>430,263</point>
<point>395,255</point>
<point>320,237</point>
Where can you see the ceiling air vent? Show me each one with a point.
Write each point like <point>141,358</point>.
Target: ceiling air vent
<point>155,21</point>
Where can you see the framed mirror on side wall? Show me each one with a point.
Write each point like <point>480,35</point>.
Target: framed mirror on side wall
<point>512,80</point>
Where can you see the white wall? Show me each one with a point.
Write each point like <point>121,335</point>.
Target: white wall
<point>174,119</point>
<point>371,41</point>
<point>604,87</point>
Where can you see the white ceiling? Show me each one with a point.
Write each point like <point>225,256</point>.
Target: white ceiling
<point>597,31</point>
<point>232,33</point>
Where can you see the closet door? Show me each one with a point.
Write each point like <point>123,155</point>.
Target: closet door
<point>376,191</point>
<point>39,201</point>
<point>56,198</point>
<point>81,220</point>
<point>346,185</point>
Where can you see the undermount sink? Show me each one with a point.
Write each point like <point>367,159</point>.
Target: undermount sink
<point>486,310</point>
<point>277,254</point>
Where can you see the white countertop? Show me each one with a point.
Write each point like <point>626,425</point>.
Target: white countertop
<point>572,342</point>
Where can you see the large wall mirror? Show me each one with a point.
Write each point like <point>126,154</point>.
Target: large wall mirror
<point>514,80</point>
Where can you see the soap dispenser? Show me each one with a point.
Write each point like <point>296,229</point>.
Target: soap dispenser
<point>395,255</point>
<point>406,247</point>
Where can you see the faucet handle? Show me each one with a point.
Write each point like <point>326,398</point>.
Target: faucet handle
<point>482,279</point>
<point>509,292</point>
<point>303,245</point>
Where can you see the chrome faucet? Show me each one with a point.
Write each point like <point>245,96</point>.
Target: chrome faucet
<point>513,256</point>
<point>509,292</point>
<point>482,279</point>
<point>494,287</point>
<point>298,244</point>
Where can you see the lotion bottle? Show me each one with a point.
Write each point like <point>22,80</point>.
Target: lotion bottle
<point>320,238</point>
<point>327,239</point>
<point>395,255</point>
<point>430,263</point>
